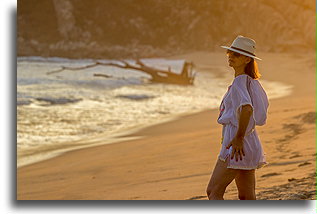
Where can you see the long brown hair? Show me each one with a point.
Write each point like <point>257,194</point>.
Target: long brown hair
<point>252,69</point>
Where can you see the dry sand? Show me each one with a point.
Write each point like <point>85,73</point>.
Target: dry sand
<point>175,159</point>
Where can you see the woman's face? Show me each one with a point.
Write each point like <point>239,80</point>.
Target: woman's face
<point>236,60</point>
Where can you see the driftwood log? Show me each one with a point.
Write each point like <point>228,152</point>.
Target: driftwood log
<point>186,77</point>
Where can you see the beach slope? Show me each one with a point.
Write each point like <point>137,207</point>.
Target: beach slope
<point>175,159</point>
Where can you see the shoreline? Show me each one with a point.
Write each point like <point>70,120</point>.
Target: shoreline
<point>122,136</point>
<point>174,159</point>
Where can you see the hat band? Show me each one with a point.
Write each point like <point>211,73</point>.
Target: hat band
<point>238,49</point>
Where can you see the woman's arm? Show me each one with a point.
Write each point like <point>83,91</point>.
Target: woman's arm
<point>246,112</point>
<point>237,142</point>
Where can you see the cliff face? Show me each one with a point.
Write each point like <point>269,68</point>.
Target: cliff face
<point>145,28</point>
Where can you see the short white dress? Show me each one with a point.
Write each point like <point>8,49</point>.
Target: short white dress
<point>244,90</point>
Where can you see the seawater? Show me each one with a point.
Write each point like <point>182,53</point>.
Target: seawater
<point>74,109</point>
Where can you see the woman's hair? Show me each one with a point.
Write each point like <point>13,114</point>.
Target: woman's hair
<point>252,69</point>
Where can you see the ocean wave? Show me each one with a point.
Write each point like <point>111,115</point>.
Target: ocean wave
<point>46,101</point>
<point>136,97</point>
<point>57,101</point>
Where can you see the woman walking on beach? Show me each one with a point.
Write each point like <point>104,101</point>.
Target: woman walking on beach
<point>243,107</point>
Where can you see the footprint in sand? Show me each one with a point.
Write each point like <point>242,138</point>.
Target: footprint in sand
<point>293,130</point>
<point>309,117</point>
<point>295,156</point>
<point>297,128</point>
<point>303,196</point>
<point>197,197</point>
<point>304,164</point>
<point>270,174</point>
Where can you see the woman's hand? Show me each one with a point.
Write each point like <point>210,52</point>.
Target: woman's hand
<point>237,141</point>
<point>237,148</point>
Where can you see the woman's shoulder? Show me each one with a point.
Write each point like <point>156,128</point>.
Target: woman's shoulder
<point>244,79</point>
<point>240,81</point>
<point>246,83</point>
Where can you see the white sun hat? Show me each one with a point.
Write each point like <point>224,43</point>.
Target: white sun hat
<point>244,46</point>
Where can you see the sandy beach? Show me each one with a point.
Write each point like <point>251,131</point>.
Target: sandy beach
<point>174,160</point>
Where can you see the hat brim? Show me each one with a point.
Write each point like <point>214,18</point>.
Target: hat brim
<point>241,52</point>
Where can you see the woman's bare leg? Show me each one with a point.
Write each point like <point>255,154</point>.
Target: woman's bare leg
<point>220,179</point>
<point>245,181</point>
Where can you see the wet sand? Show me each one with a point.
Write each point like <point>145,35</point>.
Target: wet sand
<point>174,159</point>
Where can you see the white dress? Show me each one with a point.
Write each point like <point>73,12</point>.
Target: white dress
<point>244,90</point>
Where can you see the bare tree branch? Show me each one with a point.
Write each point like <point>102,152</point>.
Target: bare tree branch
<point>164,76</point>
<point>72,68</point>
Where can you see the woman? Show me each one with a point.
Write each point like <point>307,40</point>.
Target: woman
<point>243,106</point>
